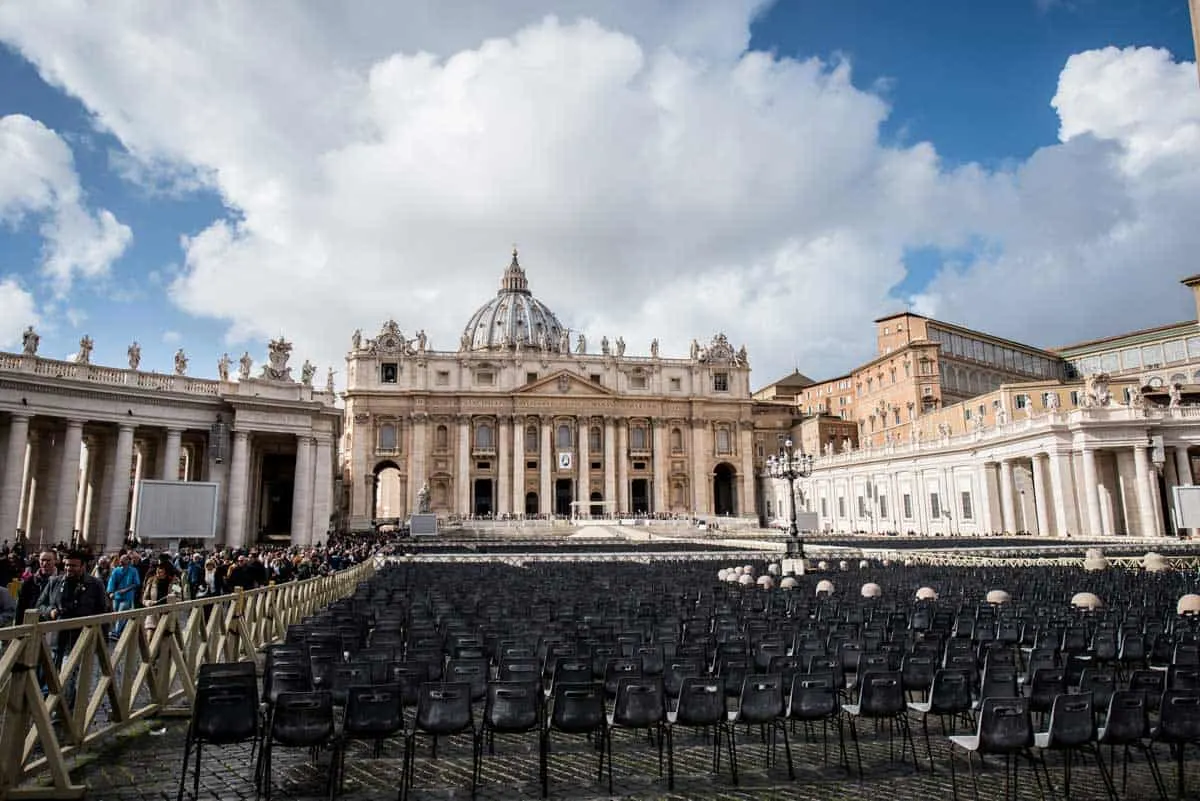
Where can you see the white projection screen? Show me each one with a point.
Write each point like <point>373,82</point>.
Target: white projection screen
<point>1187,507</point>
<point>177,510</point>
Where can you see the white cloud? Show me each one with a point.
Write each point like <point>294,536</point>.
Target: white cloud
<point>171,337</point>
<point>660,181</point>
<point>17,310</point>
<point>37,178</point>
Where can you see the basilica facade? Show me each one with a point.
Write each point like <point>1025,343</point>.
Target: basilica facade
<point>525,419</point>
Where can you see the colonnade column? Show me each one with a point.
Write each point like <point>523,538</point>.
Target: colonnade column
<point>68,482</point>
<point>463,482</point>
<point>610,466</point>
<point>322,489</point>
<point>1183,473</point>
<point>518,466</point>
<point>302,491</point>
<point>1007,501</point>
<point>1145,493</point>
<point>12,487</point>
<point>583,469</point>
<point>623,467</point>
<point>503,484</point>
<point>84,477</point>
<point>545,474</point>
<point>115,527</point>
<point>1091,498</point>
<point>1062,489</point>
<point>986,525</point>
<point>235,520</point>
<point>1040,499</point>
<point>170,470</point>
<point>660,465</point>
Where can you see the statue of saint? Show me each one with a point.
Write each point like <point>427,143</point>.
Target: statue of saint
<point>245,363</point>
<point>307,371</point>
<point>464,342</point>
<point>1136,399</point>
<point>329,381</point>
<point>422,341</point>
<point>695,351</point>
<point>85,350</point>
<point>180,362</point>
<point>654,347</point>
<point>356,339</point>
<point>135,355</point>
<point>604,346</point>
<point>620,346</point>
<point>1052,401</point>
<point>29,341</point>
<point>743,357</point>
<point>582,346</point>
<point>1002,416</point>
<point>1175,395</point>
<point>223,367</point>
<point>564,341</point>
<point>423,499</point>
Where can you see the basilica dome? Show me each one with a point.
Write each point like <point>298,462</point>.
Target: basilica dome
<point>513,317</point>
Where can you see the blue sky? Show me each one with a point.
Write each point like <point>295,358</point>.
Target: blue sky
<point>972,81</point>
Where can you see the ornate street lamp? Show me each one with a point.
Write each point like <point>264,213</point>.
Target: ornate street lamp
<point>790,465</point>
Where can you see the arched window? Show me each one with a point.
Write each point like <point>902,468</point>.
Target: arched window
<point>387,437</point>
<point>595,439</point>
<point>723,443</point>
<point>483,436</point>
<point>676,441</point>
<point>531,439</point>
<point>564,437</point>
<point>441,438</point>
<point>1179,378</point>
<point>637,438</point>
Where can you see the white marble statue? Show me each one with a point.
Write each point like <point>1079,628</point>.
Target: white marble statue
<point>581,346</point>
<point>422,341</point>
<point>1096,391</point>
<point>604,349</point>
<point>135,355</point>
<point>743,355</point>
<point>694,353</point>
<point>847,445</point>
<point>223,367</point>
<point>423,499</point>
<point>1052,402</point>
<point>181,362</point>
<point>943,430</point>
<point>244,365</point>
<point>85,350</point>
<point>564,341</point>
<point>654,347</point>
<point>307,371</point>
<point>829,448</point>
<point>620,346</point>
<point>29,341</point>
<point>1002,416</point>
<point>1136,399</point>
<point>464,342</point>
<point>356,339</point>
<point>329,381</point>
<point>1175,395</point>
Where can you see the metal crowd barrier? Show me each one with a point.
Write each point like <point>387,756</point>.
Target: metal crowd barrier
<point>50,713</point>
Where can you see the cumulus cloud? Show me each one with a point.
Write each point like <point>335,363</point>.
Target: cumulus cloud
<point>17,310</point>
<point>38,179</point>
<point>661,180</point>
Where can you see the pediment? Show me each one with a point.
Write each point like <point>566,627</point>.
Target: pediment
<point>564,384</point>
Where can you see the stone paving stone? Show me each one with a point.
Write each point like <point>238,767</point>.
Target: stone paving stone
<point>147,767</point>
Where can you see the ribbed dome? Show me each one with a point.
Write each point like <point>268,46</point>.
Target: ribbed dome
<point>513,316</point>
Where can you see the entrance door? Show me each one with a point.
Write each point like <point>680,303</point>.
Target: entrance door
<point>564,493</point>
<point>639,495</point>
<point>275,513</point>
<point>597,508</point>
<point>483,497</point>
<point>724,495</point>
<point>531,503</point>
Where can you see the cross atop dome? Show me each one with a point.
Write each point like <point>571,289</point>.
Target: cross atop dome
<point>514,277</point>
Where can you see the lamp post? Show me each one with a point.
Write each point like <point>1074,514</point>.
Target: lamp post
<point>790,464</point>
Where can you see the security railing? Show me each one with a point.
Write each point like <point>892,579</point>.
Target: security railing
<point>959,559</point>
<point>53,709</point>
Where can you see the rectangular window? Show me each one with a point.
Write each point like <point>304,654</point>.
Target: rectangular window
<point>597,465</point>
<point>1111,362</point>
<point>935,506</point>
<point>1193,346</point>
<point>389,372</point>
<point>862,506</point>
<point>906,503</point>
<point>1020,401</point>
<point>1131,359</point>
<point>841,506</point>
<point>676,384</point>
<point>824,507</point>
<point>1074,397</point>
<point>967,512</point>
<point>531,465</point>
<point>637,382</point>
<point>967,413</point>
<point>595,378</point>
<point>1174,351</point>
<point>530,378</point>
<point>720,382</point>
<point>483,465</point>
<point>1152,356</point>
<point>883,506</point>
<point>485,379</point>
<point>443,378</point>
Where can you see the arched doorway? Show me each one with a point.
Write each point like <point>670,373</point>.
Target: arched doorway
<point>596,509</point>
<point>531,503</point>
<point>388,498</point>
<point>725,489</point>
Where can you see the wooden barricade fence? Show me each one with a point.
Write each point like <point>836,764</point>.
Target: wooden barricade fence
<point>102,687</point>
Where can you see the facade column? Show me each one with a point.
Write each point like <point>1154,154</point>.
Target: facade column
<point>659,461</point>
<point>623,467</point>
<point>462,481</point>
<point>361,478</point>
<point>699,458</point>
<point>518,466</point>
<point>545,468</point>
<point>610,466</point>
<point>1183,475</point>
<point>1040,498</point>
<point>68,482</point>
<point>1143,475</point>
<point>1007,501</point>
<point>748,505</point>
<point>117,524</point>
<point>1126,502</point>
<point>302,491</point>
<point>583,470</point>
<point>235,508</point>
<point>13,482</point>
<point>322,492</point>
<point>984,477</point>
<point>1091,496</point>
<point>1062,491</point>
<point>87,472</point>
<point>416,458</point>
<point>503,463</point>
<point>170,468</point>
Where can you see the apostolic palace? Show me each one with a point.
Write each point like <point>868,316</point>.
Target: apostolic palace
<point>946,430</point>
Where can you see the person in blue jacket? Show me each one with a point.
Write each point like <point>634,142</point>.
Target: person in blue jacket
<point>123,587</point>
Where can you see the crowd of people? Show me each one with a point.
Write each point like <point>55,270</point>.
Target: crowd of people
<point>61,582</point>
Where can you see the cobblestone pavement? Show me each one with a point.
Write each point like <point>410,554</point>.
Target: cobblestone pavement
<point>141,765</point>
